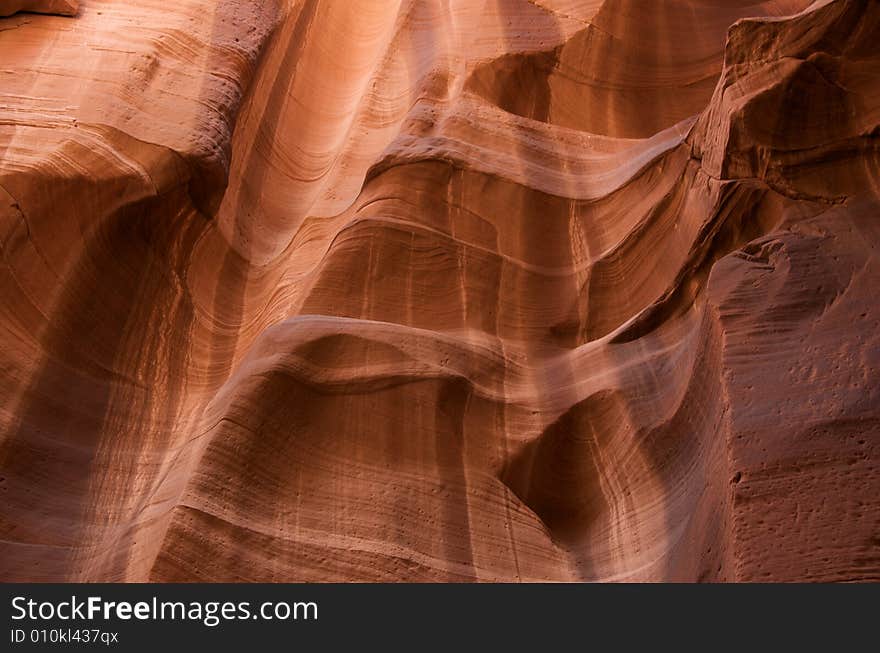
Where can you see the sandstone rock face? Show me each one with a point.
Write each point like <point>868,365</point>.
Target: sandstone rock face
<point>493,290</point>
<point>60,7</point>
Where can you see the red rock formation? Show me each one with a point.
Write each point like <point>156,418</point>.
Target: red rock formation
<point>410,290</point>
<point>60,7</point>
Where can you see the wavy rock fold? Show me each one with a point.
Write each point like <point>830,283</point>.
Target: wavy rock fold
<point>496,290</point>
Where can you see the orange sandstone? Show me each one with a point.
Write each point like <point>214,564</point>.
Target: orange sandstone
<point>505,290</point>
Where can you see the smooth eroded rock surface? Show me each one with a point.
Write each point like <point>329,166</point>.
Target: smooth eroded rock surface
<point>60,7</point>
<point>405,290</point>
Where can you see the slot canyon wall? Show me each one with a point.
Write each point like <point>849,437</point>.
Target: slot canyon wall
<point>439,290</point>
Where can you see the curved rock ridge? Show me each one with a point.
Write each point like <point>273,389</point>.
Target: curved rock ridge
<point>60,7</point>
<point>401,290</point>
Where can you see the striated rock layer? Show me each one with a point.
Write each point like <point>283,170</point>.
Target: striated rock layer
<point>489,290</point>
